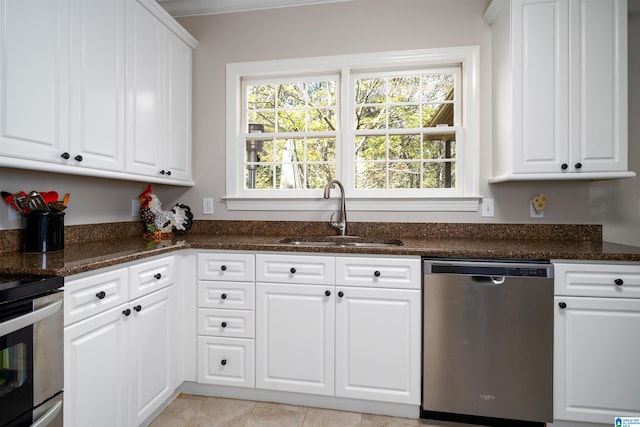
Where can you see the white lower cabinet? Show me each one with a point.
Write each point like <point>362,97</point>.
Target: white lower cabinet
<point>225,319</point>
<point>596,343</point>
<point>355,333</point>
<point>119,363</point>
<point>96,377</point>
<point>378,344</point>
<point>295,338</point>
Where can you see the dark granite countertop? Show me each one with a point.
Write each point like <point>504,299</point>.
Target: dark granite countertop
<point>79,257</point>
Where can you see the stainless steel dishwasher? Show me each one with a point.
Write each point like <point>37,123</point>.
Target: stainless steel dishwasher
<point>488,342</point>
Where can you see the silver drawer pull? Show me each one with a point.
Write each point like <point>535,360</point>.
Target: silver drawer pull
<point>48,416</point>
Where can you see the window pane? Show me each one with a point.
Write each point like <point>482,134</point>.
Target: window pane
<point>404,175</point>
<point>404,89</point>
<point>404,117</point>
<point>439,175</point>
<point>322,119</point>
<point>442,148</point>
<point>404,147</point>
<point>291,121</point>
<point>370,91</point>
<point>290,175</point>
<point>321,150</point>
<point>322,94</point>
<point>437,114</point>
<point>371,118</point>
<point>371,148</point>
<point>371,175</point>
<point>291,95</point>
<point>266,118</point>
<point>437,87</point>
<point>261,97</point>
<point>264,177</point>
<point>319,174</point>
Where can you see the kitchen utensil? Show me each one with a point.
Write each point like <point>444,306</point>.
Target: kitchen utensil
<point>49,196</point>
<point>8,197</point>
<point>36,203</point>
<point>65,199</point>
<point>57,206</point>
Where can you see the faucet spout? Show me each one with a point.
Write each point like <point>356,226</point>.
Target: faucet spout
<point>341,222</point>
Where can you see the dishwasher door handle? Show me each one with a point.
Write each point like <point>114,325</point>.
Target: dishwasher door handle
<point>494,280</point>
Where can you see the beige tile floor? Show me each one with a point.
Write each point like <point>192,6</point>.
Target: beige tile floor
<point>199,411</point>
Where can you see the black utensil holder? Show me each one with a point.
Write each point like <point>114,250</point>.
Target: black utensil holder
<point>42,232</point>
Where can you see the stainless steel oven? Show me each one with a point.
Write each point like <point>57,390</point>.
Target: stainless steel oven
<point>31,351</point>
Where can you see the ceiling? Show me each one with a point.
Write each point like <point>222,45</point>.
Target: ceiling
<point>179,8</point>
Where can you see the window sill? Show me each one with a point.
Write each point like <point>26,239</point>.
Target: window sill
<point>389,204</point>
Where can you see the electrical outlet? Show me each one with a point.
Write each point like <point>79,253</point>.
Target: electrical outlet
<point>535,214</point>
<point>135,207</point>
<point>487,207</point>
<point>13,214</point>
<point>207,206</point>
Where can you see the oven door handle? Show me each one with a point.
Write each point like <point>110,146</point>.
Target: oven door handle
<point>20,322</point>
<point>48,416</point>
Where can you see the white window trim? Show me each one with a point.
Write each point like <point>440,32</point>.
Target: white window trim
<point>467,198</point>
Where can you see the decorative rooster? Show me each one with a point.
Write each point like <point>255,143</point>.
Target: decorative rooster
<point>157,222</point>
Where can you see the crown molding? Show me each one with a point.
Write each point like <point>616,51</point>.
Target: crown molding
<point>180,8</point>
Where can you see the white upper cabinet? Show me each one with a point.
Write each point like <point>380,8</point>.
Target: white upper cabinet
<point>559,79</point>
<point>96,87</point>
<point>34,78</point>
<point>96,134</point>
<point>159,77</point>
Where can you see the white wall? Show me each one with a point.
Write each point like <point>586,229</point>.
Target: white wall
<point>331,29</point>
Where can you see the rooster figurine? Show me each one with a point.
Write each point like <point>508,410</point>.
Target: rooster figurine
<point>158,223</point>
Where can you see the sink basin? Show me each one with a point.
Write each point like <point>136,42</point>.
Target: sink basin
<point>340,241</point>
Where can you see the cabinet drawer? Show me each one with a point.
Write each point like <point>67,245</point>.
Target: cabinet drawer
<point>600,280</point>
<point>379,272</point>
<point>150,276</point>
<point>94,294</point>
<point>235,295</point>
<point>226,323</point>
<point>295,269</point>
<point>236,267</point>
<point>226,361</point>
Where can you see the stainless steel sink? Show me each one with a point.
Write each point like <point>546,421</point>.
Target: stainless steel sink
<point>340,241</point>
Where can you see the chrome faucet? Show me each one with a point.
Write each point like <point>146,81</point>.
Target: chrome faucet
<point>341,223</point>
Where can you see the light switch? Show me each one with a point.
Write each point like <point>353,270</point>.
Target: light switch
<point>487,207</point>
<point>207,206</point>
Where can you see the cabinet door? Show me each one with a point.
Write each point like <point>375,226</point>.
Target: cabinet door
<point>596,347</point>
<point>145,72</point>
<point>97,84</point>
<point>152,348</point>
<point>540,85</point>
<point>178,103</point>
<point>378,344</point>
<point>599,84</point>
<point>34,78</point>
<point>95,371</point>
<point>295,338</point>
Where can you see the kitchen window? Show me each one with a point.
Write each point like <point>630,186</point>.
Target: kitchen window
<point>399,129</point>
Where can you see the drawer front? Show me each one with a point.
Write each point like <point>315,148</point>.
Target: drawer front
<point>230,295</point>
<point>405,273</point>
<point>226,323</point>
<point>94,294</point>
<point>599,280</point>
<point>150,276</point>
<point>226,361</point>
<point>236,267</point>
<point>303,269</point>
